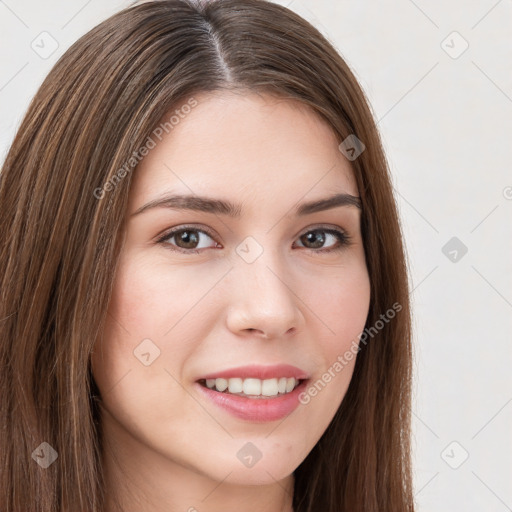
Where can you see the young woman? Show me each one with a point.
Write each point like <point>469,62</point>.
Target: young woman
<point>204,292</point>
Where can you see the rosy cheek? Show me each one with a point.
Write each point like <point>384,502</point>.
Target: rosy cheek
<point>345,299</point>
<point>134,300</point>
<point>349,318</point>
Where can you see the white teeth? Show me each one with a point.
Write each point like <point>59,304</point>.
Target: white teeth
<point>290,384</point>
<point>221,384</point>
<point>235,385</point>
<point>269,387</point>
<point>253,387</point>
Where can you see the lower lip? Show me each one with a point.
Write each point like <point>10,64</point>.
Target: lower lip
<point>256,409</point>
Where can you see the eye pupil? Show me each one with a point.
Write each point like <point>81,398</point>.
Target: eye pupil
<point>185,237</point>
<point>315,237</point>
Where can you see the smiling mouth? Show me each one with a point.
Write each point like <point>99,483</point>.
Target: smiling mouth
<point>253,388</point>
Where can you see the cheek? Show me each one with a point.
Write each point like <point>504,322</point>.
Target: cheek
<point>340,300</point>
<point>154,298</point>
<point>152,310</point>
<point>137,366</point>
<point>138,299</point>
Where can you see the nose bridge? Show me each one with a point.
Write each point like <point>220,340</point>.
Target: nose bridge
<point>261,269</point>
<point>263,297</point>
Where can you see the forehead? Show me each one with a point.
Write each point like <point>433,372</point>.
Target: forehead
<point>246,147</point>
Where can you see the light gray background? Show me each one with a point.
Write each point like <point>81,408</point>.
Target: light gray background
<point>446,120</point>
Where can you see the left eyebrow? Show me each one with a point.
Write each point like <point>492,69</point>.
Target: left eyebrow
<point>328,203</point>
<point>222,207</point>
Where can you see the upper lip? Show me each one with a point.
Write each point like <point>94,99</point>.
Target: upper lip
<point>259,372</point>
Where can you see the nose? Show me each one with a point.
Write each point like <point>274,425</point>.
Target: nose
<point>263,300</point>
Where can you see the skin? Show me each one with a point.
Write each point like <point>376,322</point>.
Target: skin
<point>168,448</point>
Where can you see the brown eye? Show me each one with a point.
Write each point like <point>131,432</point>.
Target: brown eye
<point>316,238</point>
<point>187,239</point>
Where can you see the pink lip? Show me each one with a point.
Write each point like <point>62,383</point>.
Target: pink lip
<point>255,409</point>
<point>259,372</point>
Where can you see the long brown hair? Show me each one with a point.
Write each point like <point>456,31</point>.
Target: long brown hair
<point>63,194</point>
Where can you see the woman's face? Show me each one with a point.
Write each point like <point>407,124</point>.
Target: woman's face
<point>272,287</point>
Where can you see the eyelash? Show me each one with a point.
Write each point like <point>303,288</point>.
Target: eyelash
<point>344,239</point>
